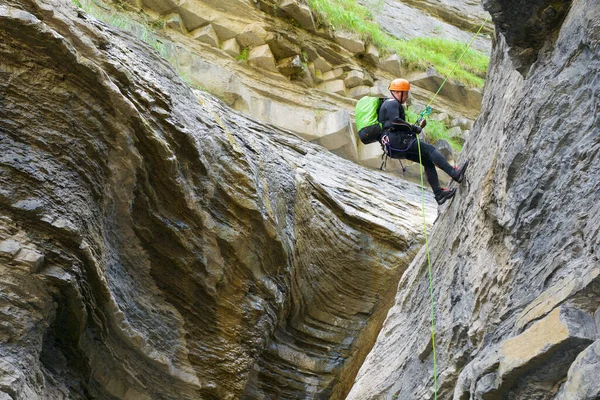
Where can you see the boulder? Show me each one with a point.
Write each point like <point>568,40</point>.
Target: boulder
<point>9,248</point>
<point>582,379</point>
<point>440,117</point>
<point>455,132</point>
<point>444,147</point>
<point>358,92</point>
<point>463,123</point>
<point>335,73</point>
<point>349,41</point>
<point>354,78</point>
<point>371,54</point>
<point>160,6</point>
<point>380,89</point>
<point>173,21</point>
<point>335,130</point>
<point>231,47</point>
<point>367,78</point>
<point>281,46</point>
<point>225,28</point>
<point>30,259</point>
<point>291,66</point>
<point>316,74</point>
<point>452,90</point>
<point>321,64</point>
<point>206,35</point>
<point>336,86</point>
<point>193,14</point>
<point>549,346</point>
<point>392,64</point>
<point>465,135</point>
<point>305,77</point>
<point>261,58</point>
<point>300,12</point>
<point>253,35</point>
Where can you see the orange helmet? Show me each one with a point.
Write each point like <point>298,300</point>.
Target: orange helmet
<point>400,84</point>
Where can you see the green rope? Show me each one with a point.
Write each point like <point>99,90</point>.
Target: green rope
<point>430,275</point>
<point>426,111</point>
<point>455,65</point>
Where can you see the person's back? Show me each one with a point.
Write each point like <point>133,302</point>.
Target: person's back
<point>393,117</point>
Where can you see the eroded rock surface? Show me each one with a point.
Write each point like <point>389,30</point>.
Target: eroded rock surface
<point>515,256</point>
<point>155,244</point>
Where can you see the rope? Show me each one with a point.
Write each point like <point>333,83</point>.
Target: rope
<point>428,108</point>
<point>435,387</point>
<point>426,111</point>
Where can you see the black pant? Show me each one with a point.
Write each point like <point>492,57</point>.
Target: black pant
<point>405,146</point>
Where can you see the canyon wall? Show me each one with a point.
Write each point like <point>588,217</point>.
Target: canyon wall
<point>515,255</point>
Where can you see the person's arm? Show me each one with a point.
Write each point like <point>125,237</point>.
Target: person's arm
<point>419,128</point>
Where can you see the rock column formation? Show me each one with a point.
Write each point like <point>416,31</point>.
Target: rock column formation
<point>515,255</point>
<point>155,244</point>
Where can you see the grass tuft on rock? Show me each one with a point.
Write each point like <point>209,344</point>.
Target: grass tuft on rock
<point>418,53</point>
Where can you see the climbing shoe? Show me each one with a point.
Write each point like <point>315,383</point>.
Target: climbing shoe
<point>459,173</point>
<point>444,194</point>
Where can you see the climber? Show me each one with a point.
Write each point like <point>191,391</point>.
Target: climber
<point>399,140</point>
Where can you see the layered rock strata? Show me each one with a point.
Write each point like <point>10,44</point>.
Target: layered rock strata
<point>273,62</point>
<point>515,256</point>
<point>155,244</point>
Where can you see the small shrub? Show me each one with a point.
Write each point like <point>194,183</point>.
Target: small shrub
<point>243,56</point>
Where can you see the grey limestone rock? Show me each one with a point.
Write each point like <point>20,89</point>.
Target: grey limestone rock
<point>515,254</point>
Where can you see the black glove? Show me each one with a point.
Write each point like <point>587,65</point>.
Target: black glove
<point>416,129</point>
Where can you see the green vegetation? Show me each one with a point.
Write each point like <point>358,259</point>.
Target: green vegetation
<point>418,53</point>
<point>243,56</point>
<point>144,31</point>
<point>435,131</point>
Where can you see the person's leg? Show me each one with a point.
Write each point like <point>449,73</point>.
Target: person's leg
<point>441,194</point>
<point>429,167</point>
<point>437,158</point>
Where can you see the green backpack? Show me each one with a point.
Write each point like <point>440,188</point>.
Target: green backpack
<point>366,112</point>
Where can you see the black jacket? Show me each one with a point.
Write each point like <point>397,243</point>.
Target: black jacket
<point>393,118</point>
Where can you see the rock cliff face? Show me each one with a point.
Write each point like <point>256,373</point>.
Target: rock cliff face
<point>155,244</point>
<point>448,19</point>
<point>297,74</point>
<point>515,256</point>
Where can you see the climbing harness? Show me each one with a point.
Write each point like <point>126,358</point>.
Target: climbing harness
<point>426,111</point>
<point>388,149</point>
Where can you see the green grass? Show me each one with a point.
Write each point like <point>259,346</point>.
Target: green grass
<point>435,131</point>
<point>144,31</point>
<point>418,53</point>
<point>243,56</point>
